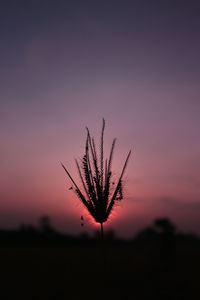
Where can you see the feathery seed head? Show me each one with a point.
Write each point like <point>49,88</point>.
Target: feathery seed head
<point>96,178</point>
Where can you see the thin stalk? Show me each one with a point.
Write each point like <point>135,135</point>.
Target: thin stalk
<point>103,253</point>
<point>102,232</point>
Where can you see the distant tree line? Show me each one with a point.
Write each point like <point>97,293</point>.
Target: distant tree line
<point>162,234</point>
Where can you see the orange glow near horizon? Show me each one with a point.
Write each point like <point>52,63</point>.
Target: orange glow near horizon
<point>138,70</point>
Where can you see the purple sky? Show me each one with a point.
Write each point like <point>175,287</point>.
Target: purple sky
<point>67,64</point>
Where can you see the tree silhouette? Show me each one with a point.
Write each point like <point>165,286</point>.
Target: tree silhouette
<point>45,225</point>
<point>167,232</point>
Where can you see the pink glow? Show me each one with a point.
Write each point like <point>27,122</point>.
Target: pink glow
<point>67,68</point>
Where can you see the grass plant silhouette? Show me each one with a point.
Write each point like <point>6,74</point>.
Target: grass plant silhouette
<point>96,177</point>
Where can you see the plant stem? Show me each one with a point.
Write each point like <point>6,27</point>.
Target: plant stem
<point>102,249</point>
<point>102,232</point>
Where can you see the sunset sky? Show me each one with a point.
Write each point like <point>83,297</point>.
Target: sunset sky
<point>65,65</point>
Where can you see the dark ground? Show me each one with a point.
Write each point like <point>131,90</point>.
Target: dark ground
<point>77,271</point>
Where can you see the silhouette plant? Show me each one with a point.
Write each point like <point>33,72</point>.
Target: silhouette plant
<point>96,178</point>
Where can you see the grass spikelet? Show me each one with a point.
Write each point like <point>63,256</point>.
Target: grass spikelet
<point>96,179</point>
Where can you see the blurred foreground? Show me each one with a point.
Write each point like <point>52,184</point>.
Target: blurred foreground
<point>87,269</point>
<point>79,272</point>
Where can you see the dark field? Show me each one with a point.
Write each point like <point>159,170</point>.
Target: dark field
<point>77,271</point>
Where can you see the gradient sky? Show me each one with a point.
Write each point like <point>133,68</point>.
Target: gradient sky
<point>67,64</point>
